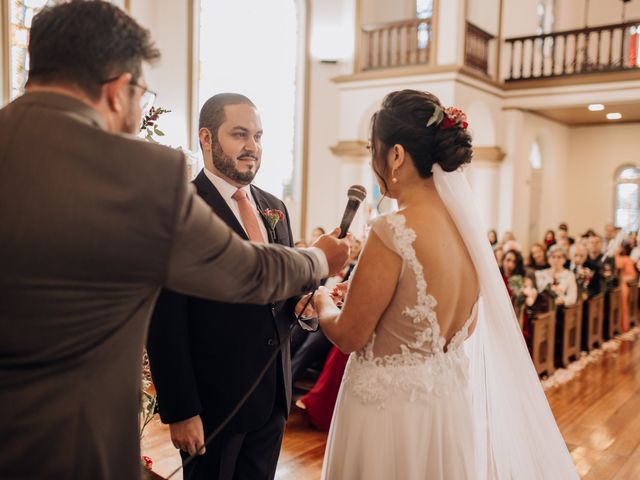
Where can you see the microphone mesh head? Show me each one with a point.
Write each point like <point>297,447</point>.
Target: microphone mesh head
<point>357,192</point>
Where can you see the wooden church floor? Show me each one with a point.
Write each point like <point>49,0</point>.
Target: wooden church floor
<point>597,412</point>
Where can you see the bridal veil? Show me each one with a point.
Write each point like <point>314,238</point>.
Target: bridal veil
<point>516,436</point>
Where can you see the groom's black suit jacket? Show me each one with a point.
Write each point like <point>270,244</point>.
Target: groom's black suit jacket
<point>205,355</point>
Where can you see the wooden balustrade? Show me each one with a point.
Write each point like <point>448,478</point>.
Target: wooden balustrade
<point>543,342</point>
<point>592,322</point>
<point>633,303</point>
<point>476,48</point>
<point>568,333</point>
<point>396,44</point>
<point>608,48</point>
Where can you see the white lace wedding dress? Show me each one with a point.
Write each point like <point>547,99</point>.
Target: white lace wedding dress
<point>412,407</point>
<point>404,410</point>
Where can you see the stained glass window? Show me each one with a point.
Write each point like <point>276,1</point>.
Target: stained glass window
<point>627,198</point>
<point>21,14</point>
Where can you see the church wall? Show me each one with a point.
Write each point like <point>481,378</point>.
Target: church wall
<point>484,14</point>
<point>522,130</point>
<point>596,153</point>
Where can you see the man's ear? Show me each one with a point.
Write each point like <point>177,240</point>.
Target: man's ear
<point>116,91</point>
<point>206,139</point>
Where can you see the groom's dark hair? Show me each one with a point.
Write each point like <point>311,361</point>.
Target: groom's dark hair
<point>85,44</point>
<point>212,112</point>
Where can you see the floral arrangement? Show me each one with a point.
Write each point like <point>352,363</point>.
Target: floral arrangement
<point>149,124</point>
<point>273,217</point>
<point>448,118</point>
<point>583,279</point>
<point>149,398</point>
<point>515,284</point>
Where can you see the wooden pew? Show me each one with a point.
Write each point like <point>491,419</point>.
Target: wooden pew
<point>592,322</point>
<point>570,332</point>
<point>633,303</point>
<point>612,313</point>
<point>543,342</point>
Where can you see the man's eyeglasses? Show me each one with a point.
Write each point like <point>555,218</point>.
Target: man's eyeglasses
<point>147,98</point>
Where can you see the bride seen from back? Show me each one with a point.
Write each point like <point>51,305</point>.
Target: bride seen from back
<point>416,400</point>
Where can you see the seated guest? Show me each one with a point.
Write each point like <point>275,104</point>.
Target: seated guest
<point>563,232</point>
<point>537,257</point>
<point>558,280</point>
<point>492,235</point>
<point>508,236</point>
<point>627,273</point>
<point>521,289</point>
<point>606,265</point>
<point>566,246</point>
<point>549,238</point>
<point>316,233</point>
<point>511,245</point>
<point>512,269</point>
<point>586,271</point>
<point>498,252</point>
<point>609,236</point>
<point>300,244</point>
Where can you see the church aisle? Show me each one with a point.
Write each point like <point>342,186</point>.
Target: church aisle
<point>596,412</point>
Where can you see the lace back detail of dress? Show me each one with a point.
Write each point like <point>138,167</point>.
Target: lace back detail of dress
<point>422,366</point>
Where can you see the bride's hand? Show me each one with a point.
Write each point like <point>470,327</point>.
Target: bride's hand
<point>322,300</point>
<point>309,311</point>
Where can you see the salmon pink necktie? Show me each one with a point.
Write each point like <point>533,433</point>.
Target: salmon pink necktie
<point>248,217</point>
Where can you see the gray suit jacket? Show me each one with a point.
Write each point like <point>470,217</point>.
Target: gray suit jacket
<point>91,226</point>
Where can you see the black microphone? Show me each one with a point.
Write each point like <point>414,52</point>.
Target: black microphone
<point>356,194</point>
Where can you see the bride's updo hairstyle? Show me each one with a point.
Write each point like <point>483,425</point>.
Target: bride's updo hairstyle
<point>403,120</point>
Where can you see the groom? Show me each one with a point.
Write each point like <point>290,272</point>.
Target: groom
<point>205,355</point>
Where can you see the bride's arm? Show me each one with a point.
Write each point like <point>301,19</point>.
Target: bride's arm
<point>371,288</point>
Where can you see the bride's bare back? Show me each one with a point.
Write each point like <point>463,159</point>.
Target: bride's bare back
<point>433,251</point>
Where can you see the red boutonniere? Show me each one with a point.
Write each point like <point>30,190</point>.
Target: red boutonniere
<point>273,217</point>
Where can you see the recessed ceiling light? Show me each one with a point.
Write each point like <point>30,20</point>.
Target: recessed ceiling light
<point>614,116</point>
<point>596,107</point>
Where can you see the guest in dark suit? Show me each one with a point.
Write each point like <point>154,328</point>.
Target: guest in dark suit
<point>604,267</point>
<point>205,355</point>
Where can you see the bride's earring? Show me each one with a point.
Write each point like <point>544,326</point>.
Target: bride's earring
<point>393,176</point>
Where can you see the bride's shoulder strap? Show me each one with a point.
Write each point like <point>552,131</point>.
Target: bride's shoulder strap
<point>383,228</point>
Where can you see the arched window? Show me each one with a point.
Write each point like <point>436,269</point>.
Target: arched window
<point>627,198</point>
<point>535,157</point>
<point>242,50</point>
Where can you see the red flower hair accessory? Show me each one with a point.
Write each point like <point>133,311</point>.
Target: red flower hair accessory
<point>447,118</point>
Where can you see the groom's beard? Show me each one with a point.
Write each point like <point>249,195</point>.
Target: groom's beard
<point>227,166</point>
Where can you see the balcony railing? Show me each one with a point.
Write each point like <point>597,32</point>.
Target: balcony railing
<point>608,48</point>
<point>396,44</point>
<point>477,47</point>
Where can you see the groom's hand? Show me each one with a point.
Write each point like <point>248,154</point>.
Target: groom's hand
<point>336,250</point>
<point>188,435</point>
